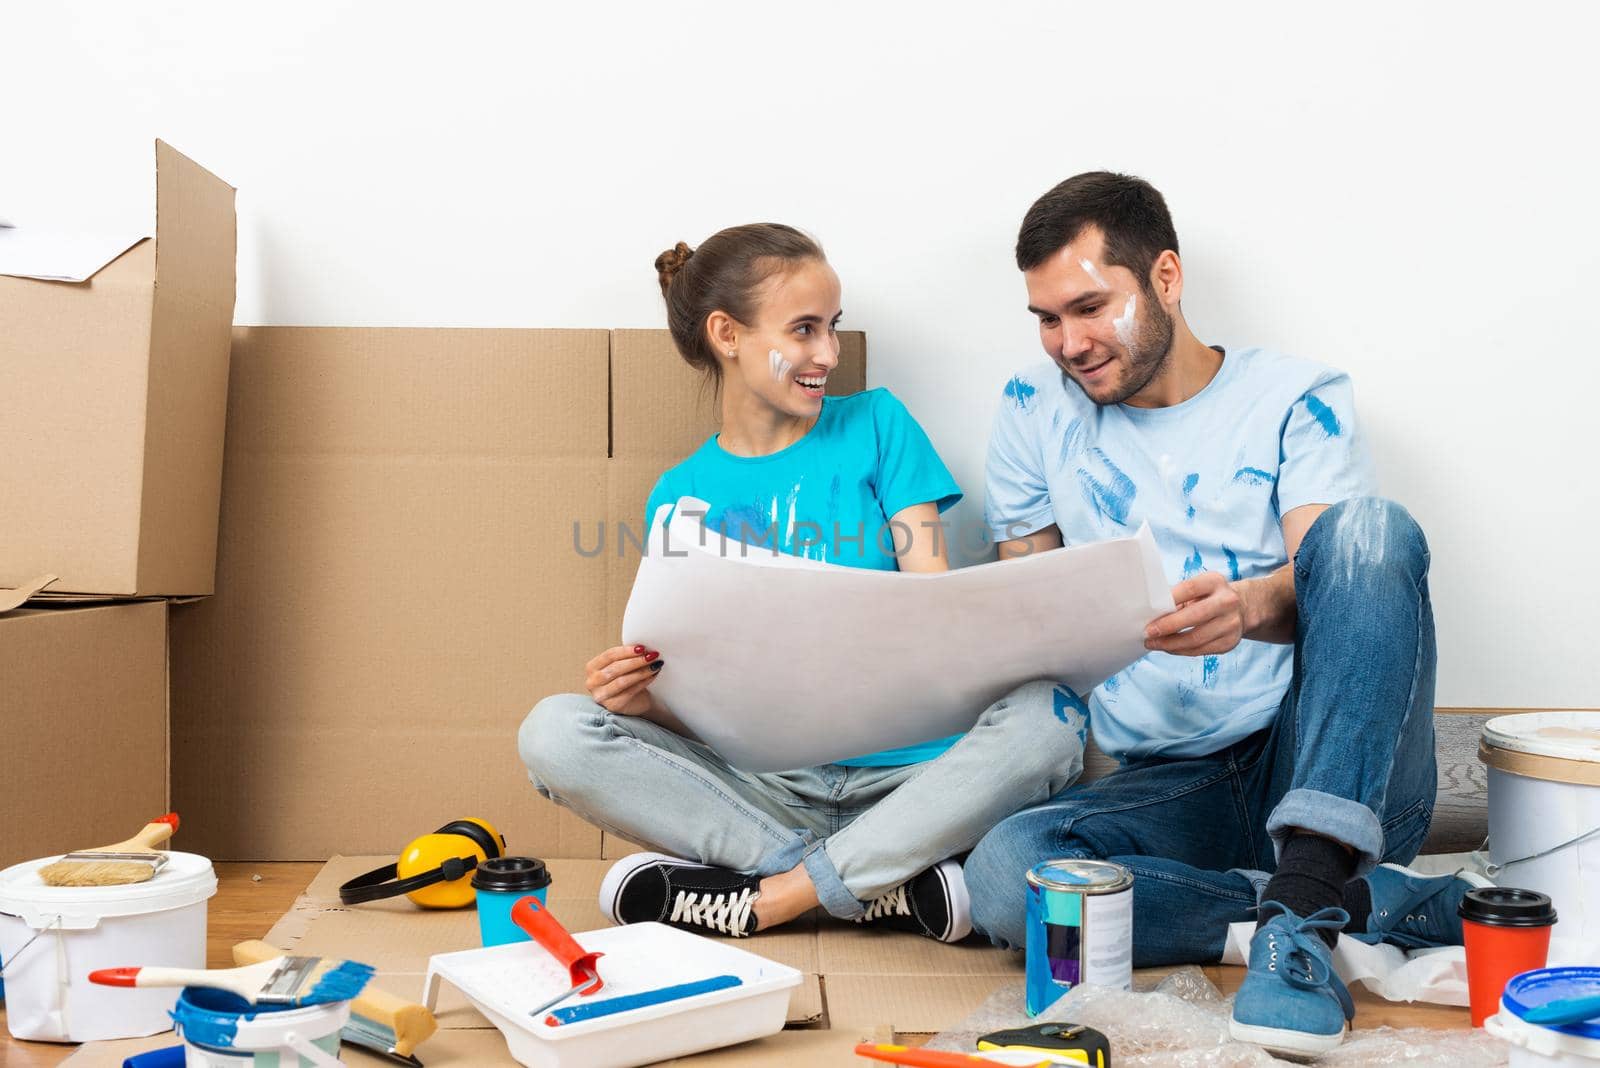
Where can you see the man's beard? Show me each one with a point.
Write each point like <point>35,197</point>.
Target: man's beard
<point>1146,357</point>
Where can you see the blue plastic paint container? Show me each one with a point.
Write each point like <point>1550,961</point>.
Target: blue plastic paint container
<point>1556,1045</point>
<point>223,1030</point>
<point>1080,928</point>
<point>500,883</point>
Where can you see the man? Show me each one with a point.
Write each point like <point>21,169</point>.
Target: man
<point>1282,720</point>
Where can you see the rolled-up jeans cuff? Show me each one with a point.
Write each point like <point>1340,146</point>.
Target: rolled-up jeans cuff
<point>1339,818</point>
<point>1258,880</point>
<point>831,891</point>
<point>787,856</point>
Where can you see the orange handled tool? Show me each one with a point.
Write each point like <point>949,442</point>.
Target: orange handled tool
<point>933,1058</point>
<point>542,925</point>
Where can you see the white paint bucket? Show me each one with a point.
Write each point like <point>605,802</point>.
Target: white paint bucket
<point>1544,811</point>
<point>222,1030</point>
<point>52,937</point>
<point>1534,1045</point>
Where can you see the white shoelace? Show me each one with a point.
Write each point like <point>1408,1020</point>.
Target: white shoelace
<point>893,903</point>
<point>727,912</point>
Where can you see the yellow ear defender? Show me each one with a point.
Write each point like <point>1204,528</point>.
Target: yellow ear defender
<point>435,870</point>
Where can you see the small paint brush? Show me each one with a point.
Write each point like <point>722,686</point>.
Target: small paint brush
<point>287,981</point>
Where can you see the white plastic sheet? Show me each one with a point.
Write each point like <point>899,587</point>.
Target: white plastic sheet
<point>781,662</point>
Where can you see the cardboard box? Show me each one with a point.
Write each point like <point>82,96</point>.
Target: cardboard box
<point>111,404</point>
<point>400,580</point>
<point>84,694</point>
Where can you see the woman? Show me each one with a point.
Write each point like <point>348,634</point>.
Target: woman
<point>871,839</point>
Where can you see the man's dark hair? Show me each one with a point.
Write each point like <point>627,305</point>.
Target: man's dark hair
<point>1129,211</point>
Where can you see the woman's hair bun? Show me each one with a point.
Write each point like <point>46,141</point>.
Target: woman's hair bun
<point>670,262</point>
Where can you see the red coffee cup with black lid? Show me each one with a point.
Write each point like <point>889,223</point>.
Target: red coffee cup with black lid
<point>1507,932</point>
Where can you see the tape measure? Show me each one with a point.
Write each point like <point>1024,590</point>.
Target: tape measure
<point>1073,1041</point>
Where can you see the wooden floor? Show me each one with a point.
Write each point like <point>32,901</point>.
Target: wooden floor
<point>251,897</point>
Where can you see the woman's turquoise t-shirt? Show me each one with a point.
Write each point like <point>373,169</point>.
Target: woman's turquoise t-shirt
<point>828,497</point>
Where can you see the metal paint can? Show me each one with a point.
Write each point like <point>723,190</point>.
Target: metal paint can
<point>1080,928</point>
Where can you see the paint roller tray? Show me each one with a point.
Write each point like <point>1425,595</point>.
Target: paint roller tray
<point>504,982</point>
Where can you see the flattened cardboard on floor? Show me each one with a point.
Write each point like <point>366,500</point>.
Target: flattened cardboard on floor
<point>84,694</point>
<point>397,586</point>
<point>111,405</point>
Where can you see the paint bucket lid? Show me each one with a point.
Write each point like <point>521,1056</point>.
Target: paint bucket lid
<point>1532,990</point>
<point>186,879</point>
<point>223,1021</point>
<point>1506,906</point>
<point>1564,735</point>
<point>1087,876</point>
<point>511,875</point>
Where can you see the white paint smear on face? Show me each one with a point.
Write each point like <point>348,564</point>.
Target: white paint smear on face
<point>1093,272</point>
<point>780,366</point>
<point>1125,324</point>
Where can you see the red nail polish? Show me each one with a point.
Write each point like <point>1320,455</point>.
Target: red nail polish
<point>650,656</point>
<point>637,649</point>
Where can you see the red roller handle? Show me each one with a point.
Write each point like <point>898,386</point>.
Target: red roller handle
<point>531,915</point>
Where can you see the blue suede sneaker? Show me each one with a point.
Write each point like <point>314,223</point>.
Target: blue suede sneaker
<point>1415,911</point>
<point>1291,1002</point>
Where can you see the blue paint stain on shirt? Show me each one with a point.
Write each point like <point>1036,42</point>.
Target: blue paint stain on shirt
<point>1114,683</point>
<point>1193,565</point>
<point>1189,483</point>
<point>1324,415</point>
<point>1020,391</point>
<point>1072,440</point>
<point>1233,563</point>
<point>744,522</point>
<point>1209,667</point>
<point>1109,497</point>
<point>1253,476</point>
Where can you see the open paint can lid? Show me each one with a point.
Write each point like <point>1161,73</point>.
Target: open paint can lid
<point>511,875</point>
<point>1535,989</point>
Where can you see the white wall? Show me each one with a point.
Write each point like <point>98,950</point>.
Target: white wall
<point>1407,193</point>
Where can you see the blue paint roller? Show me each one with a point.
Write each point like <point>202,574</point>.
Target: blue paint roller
<point>594,1009</point>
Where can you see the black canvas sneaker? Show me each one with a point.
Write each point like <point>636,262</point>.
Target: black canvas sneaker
<point>934,904</point>
<point>695,897</point>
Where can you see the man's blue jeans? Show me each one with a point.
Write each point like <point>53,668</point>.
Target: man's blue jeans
<point>1350,756</point>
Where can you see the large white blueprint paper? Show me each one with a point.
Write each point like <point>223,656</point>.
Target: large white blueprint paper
<point>780,662</point>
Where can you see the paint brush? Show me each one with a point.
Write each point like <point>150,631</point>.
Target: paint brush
<point>287,981</point>
<point>133,861</point>
<point>382,1022</point>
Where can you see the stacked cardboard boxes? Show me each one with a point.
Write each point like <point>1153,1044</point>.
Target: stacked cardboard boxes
<point>112,393</point>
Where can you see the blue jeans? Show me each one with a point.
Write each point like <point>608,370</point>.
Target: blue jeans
<point>1350,755</point>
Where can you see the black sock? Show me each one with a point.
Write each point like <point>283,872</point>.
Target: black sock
<point>1312,873</point>
<point>1358,903</point>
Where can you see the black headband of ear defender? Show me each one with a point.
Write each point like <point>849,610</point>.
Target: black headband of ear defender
<point>380,883</point>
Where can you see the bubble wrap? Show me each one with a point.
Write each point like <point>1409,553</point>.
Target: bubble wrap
<point>1182,1022</point>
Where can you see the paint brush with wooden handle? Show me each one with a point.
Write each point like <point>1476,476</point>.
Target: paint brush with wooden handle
<point>133,861</point>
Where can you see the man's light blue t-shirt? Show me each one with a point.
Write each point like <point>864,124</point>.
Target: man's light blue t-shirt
<point>1214,477</point>
<point>829,496</point>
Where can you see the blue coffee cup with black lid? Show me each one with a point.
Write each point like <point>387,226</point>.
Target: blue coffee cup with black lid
<point>501,882</point>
